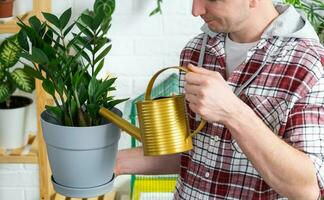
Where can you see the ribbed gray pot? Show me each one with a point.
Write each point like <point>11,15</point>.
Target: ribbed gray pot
<point>82,159</point>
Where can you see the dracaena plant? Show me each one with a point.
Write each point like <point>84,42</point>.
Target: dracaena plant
<point>12,79</point>
<point>69,68</point>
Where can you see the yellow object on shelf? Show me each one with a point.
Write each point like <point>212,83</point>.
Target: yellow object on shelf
<point>154,187</point>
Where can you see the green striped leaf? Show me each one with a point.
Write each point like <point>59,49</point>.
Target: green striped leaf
<point>23,81</point>
<point>9,52</point>
<point>4,91</point>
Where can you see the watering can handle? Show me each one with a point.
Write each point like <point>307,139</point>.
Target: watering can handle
<point>149,90</point>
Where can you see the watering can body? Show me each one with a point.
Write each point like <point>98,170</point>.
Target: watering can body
<point>163,123</point>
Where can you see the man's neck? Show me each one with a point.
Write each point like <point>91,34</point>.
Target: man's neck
<point>255,25</point>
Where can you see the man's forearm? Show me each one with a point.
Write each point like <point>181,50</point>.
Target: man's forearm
<point>132,161</point>
<point>287,170</point>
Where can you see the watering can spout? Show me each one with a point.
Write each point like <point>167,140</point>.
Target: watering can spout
<point>121,123</point>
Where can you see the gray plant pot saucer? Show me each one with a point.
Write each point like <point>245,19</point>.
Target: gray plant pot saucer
<point>83,192</point>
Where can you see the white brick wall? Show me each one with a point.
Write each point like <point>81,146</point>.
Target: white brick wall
<point>19,182</point>
<point>141,46</point>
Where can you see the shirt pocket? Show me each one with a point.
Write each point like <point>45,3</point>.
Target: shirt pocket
<point>273,111</point>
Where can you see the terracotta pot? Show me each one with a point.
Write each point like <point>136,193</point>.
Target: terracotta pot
<point>6,7</point>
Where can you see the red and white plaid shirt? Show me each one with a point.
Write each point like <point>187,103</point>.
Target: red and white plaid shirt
<point>287,94</point>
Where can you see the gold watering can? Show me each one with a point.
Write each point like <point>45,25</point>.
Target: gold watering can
<point>164,127</point>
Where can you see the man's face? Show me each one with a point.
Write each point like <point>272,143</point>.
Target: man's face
<point>222,15</point>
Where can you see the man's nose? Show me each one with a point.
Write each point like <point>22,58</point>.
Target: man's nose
<point>198,7</point>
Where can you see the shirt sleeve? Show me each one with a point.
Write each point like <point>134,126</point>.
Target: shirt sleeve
<point>305,128</point>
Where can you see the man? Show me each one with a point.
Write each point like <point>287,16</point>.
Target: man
<point>260,87</point>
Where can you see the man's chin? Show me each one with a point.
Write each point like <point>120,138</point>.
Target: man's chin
<point>216,29</point>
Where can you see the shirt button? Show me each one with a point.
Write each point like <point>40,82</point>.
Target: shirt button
<point>207,174</point>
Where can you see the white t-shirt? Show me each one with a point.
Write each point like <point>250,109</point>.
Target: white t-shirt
<point>236,53</point>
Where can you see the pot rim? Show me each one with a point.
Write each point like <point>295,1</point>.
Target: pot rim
<point>31,101</point>
<point>105,122</point>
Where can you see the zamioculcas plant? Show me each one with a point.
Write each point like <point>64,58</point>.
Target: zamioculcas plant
<point>11,79</point>
<point>69,68</point>
<point>67,58</point>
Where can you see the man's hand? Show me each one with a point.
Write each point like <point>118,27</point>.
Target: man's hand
<point>209,95</point>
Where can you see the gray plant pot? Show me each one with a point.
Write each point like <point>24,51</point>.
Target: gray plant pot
<point>82,159</point>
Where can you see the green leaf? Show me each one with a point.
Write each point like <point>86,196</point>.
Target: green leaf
<point>2,75</point>
<point>65,18</point>
<point>35,23</point>
<point>48,87</point>
<point>83,53</point>
<point>113,103</point>
<point>68,29</point>
<point>2,67</point>
<point>9,52</point>
<point>22,39</point>
<point>84,42</point>
<point>32,72</point>
<point>39,56</point>
<point>52,19</point>
<point>87,20</point>
<point>31,33</point>
<point>55,112</point>
<point>100,43</point>
<point>48,37</point>
<point>99,67</point>
<point>92,89</point>
<point>23,81</point>
<point>105,26</point>
<point>98,19</point>
<point>108,6</point>
<point>93,109</point>
<point>60,85</point>
<point>84,30</point>
<point>4,91</point>
<point>103,54</point>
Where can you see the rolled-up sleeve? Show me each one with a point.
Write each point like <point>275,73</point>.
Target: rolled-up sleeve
<point>305,128</point>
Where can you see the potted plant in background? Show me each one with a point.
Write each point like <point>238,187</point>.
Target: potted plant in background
<point>13,109</point>
<point>6,8</point>
<point>81,145</point>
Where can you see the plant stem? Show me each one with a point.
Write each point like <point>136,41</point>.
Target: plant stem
<point>8,102</point>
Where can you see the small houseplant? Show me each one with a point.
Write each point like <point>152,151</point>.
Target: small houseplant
<point>81,145</point>
<point>12,132</point>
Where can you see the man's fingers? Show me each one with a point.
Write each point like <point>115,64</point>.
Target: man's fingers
<point>198,70</point>
<point>191,98</point>
<point>192,89</point>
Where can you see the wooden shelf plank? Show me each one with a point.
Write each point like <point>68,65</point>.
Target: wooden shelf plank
<point>11,26</point>
<point>18,156</point>
<point>109,196</point>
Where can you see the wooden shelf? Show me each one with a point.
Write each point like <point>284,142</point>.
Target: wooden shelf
<point>25,154</point>
<point>109,196</point>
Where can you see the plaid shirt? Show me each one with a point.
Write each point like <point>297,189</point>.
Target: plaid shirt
<point>287,94</point>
